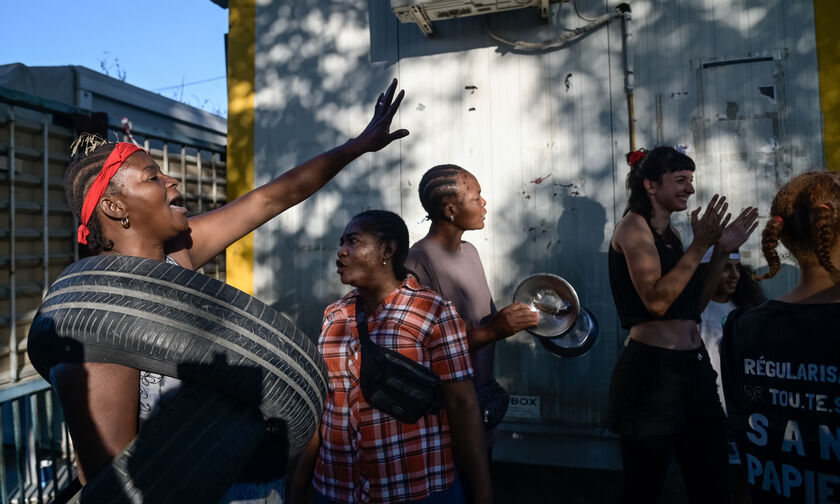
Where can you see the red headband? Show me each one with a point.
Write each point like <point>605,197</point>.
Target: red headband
<point>115,160</point>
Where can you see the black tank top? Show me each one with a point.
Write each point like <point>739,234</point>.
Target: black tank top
<point>631,309</point>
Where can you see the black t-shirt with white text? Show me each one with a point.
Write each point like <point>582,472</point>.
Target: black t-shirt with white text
<point>780,364</point>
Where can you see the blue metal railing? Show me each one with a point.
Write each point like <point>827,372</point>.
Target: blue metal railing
<point>38,457</point>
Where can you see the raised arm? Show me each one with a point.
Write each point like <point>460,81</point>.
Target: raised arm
<point>634,238</point>
<point>733,236</point>
<point>212,232</point>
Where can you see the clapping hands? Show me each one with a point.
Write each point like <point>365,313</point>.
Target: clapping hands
<point>714,226</point>
<point>736,233</point>
<point>708,228</point>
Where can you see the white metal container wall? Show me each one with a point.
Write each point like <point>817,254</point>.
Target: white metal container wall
<point>544,133</point>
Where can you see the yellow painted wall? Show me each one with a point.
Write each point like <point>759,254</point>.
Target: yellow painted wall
<point>826,14</point>
<point>240,144</point>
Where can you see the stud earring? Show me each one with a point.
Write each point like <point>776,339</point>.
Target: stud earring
<point>384,262</point>
<point>124,222</point>
<point>452,219</point>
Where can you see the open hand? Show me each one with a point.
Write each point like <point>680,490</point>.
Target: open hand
<point>378,132</point>
<point>735,234</point>
<point>708,228</point>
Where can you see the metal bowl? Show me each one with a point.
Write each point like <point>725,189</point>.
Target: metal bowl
<point>555,301</point>
<point>578,340</point>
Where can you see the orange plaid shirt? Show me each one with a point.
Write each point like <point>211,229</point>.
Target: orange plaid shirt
<point>366,455</point>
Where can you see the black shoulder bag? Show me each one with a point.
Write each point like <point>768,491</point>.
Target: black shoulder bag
<point>393,383</point>
<point>493,402</point>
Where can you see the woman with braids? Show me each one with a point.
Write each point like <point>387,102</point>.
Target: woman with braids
<point>451,197</point>
<point>781,361</point>
<point>360,454</point>
<point>127,206</point>
<point>662,396</point>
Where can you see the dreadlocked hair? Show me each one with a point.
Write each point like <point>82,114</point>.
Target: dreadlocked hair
<point>436,187</point>
<point>804,217</point>
<point>89,153</point>
<point>388,227</point>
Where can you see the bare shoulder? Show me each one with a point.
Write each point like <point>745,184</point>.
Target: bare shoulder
<point>631,229</point>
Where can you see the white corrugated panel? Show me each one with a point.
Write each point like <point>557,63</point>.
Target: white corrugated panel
<point>544,133</point>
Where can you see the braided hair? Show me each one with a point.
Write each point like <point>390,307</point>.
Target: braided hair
<point>89,153</point>
<point>388,227</point>
<point>437,186</point>
<point>804,216</point>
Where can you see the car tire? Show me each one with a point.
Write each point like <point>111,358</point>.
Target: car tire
<point>163,318</point>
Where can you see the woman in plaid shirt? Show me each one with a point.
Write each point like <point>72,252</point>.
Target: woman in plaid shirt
<point>361,454</point>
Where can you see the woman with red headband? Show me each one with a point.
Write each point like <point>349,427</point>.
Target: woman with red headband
<point>127,206</point>
<point>662,396</point>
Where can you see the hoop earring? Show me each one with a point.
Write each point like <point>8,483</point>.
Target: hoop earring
<point>452,219</point>
<point>124,222</point>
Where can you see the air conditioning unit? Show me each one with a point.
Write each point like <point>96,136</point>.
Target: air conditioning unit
<point>424,12</point>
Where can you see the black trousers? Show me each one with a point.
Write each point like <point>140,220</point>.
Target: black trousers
<point>664,403</point>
